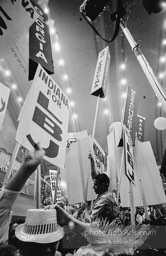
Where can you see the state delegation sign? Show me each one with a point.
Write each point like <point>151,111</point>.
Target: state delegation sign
<point>44,118</point>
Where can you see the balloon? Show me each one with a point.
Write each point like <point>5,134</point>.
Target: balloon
<point>160,123</point>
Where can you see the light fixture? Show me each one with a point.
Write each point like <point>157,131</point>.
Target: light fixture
<point>162,59</point>
<point>68,90</point>
<point>7,72</point>
<point>161,75</point>
<point>123,81</point>
<point>72,103</point>
<point>74,116</point>
<point>61,62</point>
<point>122,66</point>
<point>57,47</point>
<point>20,99</point>
<point>106,111</point>
<point>14,86</point>
<point>65,77</point>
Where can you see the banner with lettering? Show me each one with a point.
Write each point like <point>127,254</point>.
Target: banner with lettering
<point>129,157</point>
<point>40,44</point>
<point>55,184</point>
<point>4,96</point>
<point>16,18</point>
<point>45,118</point>
<point>99,155</point>
<point>130,115</point>
<point>140,127</point>
<point>101,73</point>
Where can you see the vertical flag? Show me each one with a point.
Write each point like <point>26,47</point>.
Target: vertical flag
<point>129,157</point>
<point>101,73</point>
<point>130,114</point>
<point>4,96</point>
<point>140,127</point>
<point>40,44</point>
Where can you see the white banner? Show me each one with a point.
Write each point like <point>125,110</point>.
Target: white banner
<point>55,183</point>
<point>4,96</point>
<point>129,158</point>
<point>101,73</point>
<point>45,118</point>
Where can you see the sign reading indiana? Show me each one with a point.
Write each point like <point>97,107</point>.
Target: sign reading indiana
<point>44,118</point>
<point>101,73</point>
<point>40,44</point>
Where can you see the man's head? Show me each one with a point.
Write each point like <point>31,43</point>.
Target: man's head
<point>101,183</point>
<point>40,233</point>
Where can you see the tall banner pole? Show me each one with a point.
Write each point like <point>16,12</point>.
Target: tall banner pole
<point>95,119</point>
<point>13,158</point>
<point>38,187</point>
<point>121,168</point>
<point>145,65</point>
<point>129,170</point>
<point>56,186</point>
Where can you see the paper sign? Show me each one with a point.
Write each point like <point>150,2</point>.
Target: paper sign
<point>45,118</point>
<point>101,73</point>
<point>129,158</point>
<point>4,96</point>
<point>99,156</point>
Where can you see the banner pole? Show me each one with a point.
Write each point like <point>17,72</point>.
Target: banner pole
<point>13,158</point>
<point>95,119</point>
<point>145,65</point>
<point>56,186</point>
<point>121,167</point>
<point>38,187</point>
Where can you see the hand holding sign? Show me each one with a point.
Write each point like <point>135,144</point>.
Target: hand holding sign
<point>160,123</point>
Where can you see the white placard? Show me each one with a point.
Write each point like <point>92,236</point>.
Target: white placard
<point>4,96</point>
<point>45,118</point>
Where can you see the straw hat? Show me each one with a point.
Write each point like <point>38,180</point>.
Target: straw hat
<point>40,227</point>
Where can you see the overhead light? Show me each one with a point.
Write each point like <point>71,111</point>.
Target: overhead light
<point>7,72</point>
<point>72,103</point>
<point>57,47</point>
<point>69,90</point>
<point>14,86</point>
<point>61,62</point>
<point>122,66</point>
<point>65,77</point>
<point>74,116</point>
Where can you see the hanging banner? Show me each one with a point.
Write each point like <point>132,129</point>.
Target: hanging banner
<point>129,158</point>
<point>55,184</point>
<point>130,115</point>
<point>101,73</point>
<point>16,18</point>
<point>45,118</point>
<point>99,156</point>
<point>140,128</point>
<point>4,96</point>
<point>40,44</point>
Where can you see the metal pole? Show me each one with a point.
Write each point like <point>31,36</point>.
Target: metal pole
<point>145,65</point>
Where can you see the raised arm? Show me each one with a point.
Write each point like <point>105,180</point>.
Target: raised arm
<point>29,165</point>
<point>93,168</point>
